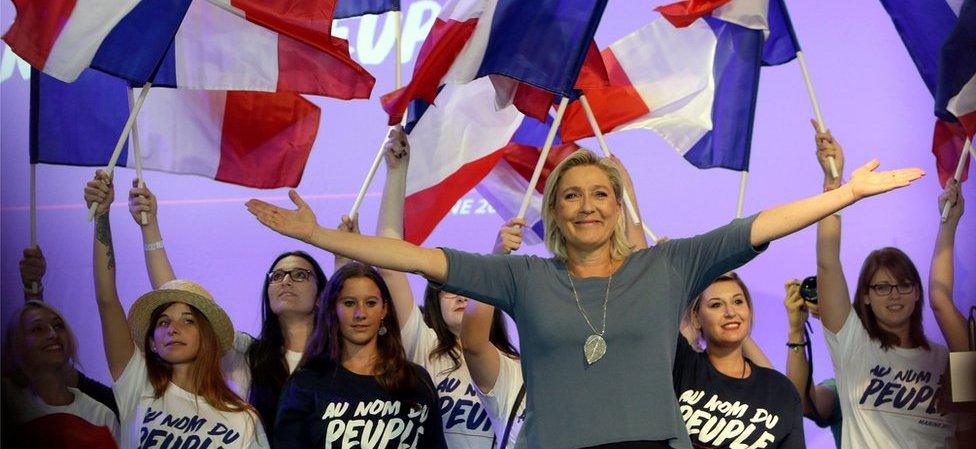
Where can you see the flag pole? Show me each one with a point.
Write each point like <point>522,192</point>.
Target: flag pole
<point>742,194</point>
<point>958,175</point>
<point>628,201</point>
<point>134,144</point>
<point>122,138</point>
<point>354,211</point>
<point>816,107</point>
<point>542,157</point>
<point>33,216</point>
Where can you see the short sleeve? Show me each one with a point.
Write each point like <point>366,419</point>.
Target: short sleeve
<point>291,429</point>
<point>849,341</point>
<point>99,392</point>
<point>684,359</point>
<point>418,339</point>
<point>235,367</point>
<point>499,400</point>
<point>795,439</point>
<point>493,279</point>
<point>132,384</point>
<point>699,260</point>
<point>260,439</point>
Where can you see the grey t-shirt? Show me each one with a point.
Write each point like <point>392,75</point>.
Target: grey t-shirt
<point>627,395</point>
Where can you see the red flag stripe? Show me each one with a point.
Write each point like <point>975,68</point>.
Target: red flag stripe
<point>682,14</point>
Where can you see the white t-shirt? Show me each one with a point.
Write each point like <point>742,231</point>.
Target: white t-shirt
<point>500,400</point>
<point>178,418</point>
<point>466,422</point>
<point>235,365</point>
<point>888,397</point>
<point>84,423</point>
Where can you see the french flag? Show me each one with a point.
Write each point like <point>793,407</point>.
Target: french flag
<point>449,48</point>
<point>955,94</point>
<point>478,38</point>
<point>505,185</point>
<point>925,27</point>
<point>195,45</point>
<point>696,85</point>
<point>253,139</point>
<point>457,141</point>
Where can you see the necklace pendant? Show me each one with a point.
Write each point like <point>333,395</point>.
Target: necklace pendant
<point>594,348</point>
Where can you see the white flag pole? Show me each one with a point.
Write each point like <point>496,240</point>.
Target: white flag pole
<point>816,107</point>
<point>742,194</point>
<point>134,144</point>
<point>628,199</point>
<point>122,138</point>
<point>354,210</point>
<point>542,157</point>
<point>958,175</point>
<point>33,216</point>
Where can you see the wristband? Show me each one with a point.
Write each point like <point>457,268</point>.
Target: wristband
<point>153,246</point>
<point>797,346</point>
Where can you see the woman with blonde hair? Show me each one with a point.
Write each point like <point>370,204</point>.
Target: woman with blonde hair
<point>164,357</point>
<point>585,315</point>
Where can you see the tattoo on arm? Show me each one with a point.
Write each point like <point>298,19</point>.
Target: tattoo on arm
<point>103,232</point>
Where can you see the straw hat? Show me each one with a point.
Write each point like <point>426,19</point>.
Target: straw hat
<point>188,292</point>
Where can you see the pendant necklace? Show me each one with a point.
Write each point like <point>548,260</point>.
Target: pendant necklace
<point>595,346</point>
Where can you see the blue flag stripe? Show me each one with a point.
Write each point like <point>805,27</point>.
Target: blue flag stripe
<point>923,26</point>
<point>354,8</point>
<point>136,48</point>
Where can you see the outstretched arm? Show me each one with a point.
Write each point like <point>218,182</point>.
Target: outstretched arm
<point>941,274</point>
<point>786,219</point>
<point>383,252</point>
<point>390,220</point>
<point>141,199</point>
<point>481,356</point>
<point>32,269</point>
<point>115,330</point>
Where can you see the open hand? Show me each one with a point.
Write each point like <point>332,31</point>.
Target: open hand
<point>100,190</point>
<point>298,224</point>
<point>866,182</point>
<point>141,199</point>
<point>953,196</point>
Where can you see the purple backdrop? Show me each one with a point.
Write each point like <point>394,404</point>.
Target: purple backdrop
<point>872,98</point>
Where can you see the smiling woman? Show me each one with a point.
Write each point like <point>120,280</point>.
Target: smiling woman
<point>588,356</point>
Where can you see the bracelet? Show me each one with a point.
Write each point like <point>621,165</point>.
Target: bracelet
<point>827,188</point>
<point>795,347</point>
<point>153,246</point>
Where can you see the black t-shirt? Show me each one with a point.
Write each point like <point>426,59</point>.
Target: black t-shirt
<point>325,406</point>
<point>760,411</point>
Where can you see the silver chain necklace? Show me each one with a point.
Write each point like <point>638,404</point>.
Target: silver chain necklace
<point>595,346</point>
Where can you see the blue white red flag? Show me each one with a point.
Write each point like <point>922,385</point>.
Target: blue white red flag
<point>925,27</point>
<point>695,86</point>
<point>354,8</point>
<point>457,51</point>
<point>195,45</point>
<point>254,139</point>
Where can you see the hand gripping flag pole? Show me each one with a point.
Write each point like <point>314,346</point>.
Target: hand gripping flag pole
<point>958,175</point>
<point>133,113</point>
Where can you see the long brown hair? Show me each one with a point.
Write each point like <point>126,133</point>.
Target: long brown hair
<point>447,342</point>
<point>395,375</point>
<point>208,378</point>
<point>901,268</point>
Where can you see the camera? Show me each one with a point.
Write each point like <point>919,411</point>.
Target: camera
<point>808,289</point>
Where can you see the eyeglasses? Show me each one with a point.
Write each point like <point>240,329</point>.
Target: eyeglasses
<point>296,274</point>
<point>885,289</point>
